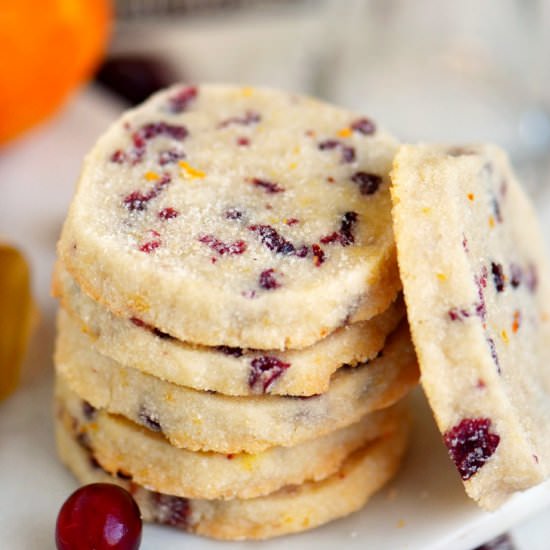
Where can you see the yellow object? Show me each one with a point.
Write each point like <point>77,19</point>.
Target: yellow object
<point>16,315</point>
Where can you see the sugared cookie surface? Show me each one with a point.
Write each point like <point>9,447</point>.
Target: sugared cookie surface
<point>476,283</point>
<point>236,216</point>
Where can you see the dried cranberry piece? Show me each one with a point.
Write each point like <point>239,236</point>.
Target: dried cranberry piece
<point>272,240</point>
<point>233,214</point>
<point>502,542</point>
<point>292,221</point>
<point>138,200</point>
<point>497,211</point>
<point>364,126</point>
<point>233,351</point>
<point>170,156</point>
<point>235,248</point>
<point>168,213</point>
<point>368,183</point>
<point>250,117</point>
<point>345,235</point>
<point>118,156</point>
<point>471,444</point>
<point>458,314</point>
<point>494,354</point>
<point>264,371</point>
<point>182,99</point>
<point>150,246</point>
<point>347,152</point>
<point>154,129</point>
<point>318,255</point>
<point>171,510</point>
<point>516,274</point>
<point>267,280</point>
<point>88,410</point>
<point>268,186</point>
<point>498,276</point>
<point>532,278</point>
<point>101,516</point>
<point>243,141</point>
<point>149,420</point>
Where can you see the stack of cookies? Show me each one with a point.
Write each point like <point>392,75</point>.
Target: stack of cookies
<point>232,345</point>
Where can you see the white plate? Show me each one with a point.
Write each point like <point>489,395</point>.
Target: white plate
<point>425,508</point>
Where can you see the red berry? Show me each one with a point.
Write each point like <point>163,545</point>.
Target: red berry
<point>101,516</point>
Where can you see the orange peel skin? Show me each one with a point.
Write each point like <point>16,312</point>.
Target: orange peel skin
<point>16,316</point>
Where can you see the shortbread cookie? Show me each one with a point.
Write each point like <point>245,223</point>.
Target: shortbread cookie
<point>198,420</point>
<point>477,288</point>
<point>291,509</point>
<point>231,371</point>
<point>239,217</point>
<point>122,446</point>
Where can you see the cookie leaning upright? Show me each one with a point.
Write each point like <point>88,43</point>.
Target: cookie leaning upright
<point>236,216</point>
<point>476,282</point>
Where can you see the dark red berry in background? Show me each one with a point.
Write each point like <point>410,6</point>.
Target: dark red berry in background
<point>100,516</point>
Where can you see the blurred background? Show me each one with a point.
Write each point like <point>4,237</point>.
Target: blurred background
<point>428,70</point>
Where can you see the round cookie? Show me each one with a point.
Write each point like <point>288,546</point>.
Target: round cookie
<point>198,420</point>
<point>121,446</point>
<point>291,509</point>
<point>237,216</point>
<point>231,371</point>
<point>477,287</point>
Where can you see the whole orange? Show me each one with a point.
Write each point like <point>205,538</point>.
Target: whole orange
<point>48,47</point>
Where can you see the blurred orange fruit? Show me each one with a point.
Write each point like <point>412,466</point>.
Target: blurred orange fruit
<point>48,47</point>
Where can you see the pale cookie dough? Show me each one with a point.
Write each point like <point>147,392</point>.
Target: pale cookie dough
<point>477,288</point>
<point>231,371</point>
<point>239,217</point>
<point>123,447</point>
<point>291,509</point>
<point>198,420</point>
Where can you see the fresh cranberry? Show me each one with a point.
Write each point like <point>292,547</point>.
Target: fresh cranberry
<point>471,444</point>
<point>100,516</point>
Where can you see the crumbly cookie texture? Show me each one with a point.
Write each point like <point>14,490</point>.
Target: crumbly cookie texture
<point>476,282</point>
<point>227,370</point>
<point>124,448</point>
<point>238,217</point>
<point>197,420</point>
<point>291,509</point>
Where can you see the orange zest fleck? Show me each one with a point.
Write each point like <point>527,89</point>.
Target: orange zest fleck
<point>504,336</point>
<point>442,276</point>
<point>471,196</point>
<point>190,172</point>
<point>247,91</point>
<point>292,165</point>
<point>491,222</point>
<point>515,322</point>
<point>151,176</point>
<point>344,132</point>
